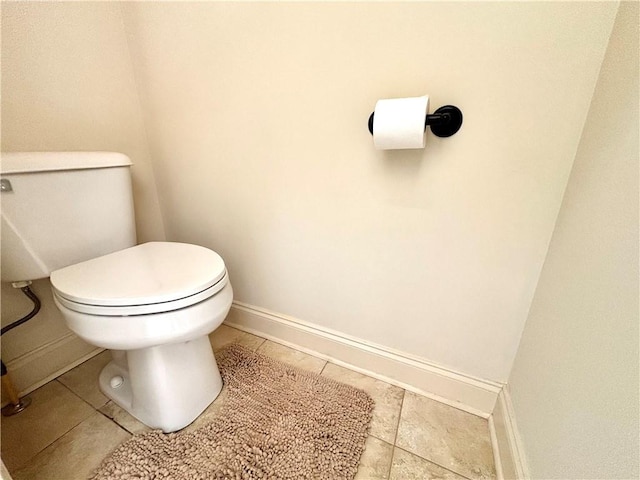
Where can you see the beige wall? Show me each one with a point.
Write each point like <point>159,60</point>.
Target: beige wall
<point>574,384</point>
<point>257,119</point>
<point>67,84</point>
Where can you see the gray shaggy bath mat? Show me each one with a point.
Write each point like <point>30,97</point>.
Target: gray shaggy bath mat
<point>278,422</point>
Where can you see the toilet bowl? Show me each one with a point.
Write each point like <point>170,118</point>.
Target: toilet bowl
<point>154,306</point>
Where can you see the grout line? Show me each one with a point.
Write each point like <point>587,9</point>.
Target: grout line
<point>326,362</point>
<point>393,456</point>
<point>78,396</point>
<point>112,420</point>
<point>299,351</point>
<point>434,463</point>
<point>264,340</point>
<point>378,438</point>
<point>395,437</point>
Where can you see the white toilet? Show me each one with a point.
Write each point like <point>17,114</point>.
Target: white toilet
<point>69,215</point>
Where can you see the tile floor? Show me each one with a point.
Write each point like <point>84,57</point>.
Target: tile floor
<point>71,426</point>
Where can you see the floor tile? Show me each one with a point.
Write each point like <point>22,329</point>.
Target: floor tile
<point>123,418</point>
<point>375,460</point>
<point>292,357</point>
<point>456,440</point>
<point>53,412</point>
<point>77,453</point>
<point>225,335</point>
<point>407,466</point>
<point>83,379</point>
<point>387,398</point>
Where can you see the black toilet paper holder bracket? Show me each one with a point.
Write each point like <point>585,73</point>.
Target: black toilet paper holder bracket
<point>444,122</point>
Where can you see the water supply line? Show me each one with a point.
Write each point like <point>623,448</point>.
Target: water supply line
<point>17,404</point>
<point>24,287</point>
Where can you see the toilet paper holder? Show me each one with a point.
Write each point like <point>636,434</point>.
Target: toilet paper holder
<point>444,122</point>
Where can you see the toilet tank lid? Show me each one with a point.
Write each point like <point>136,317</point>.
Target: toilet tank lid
<point>32,162</point>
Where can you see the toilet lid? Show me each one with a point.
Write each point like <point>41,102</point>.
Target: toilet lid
<point>154,272</point>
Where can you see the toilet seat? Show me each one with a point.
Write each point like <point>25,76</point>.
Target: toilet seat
<point>148,278</point>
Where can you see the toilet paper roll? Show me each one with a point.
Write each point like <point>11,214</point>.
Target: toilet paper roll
<point>398,123</point>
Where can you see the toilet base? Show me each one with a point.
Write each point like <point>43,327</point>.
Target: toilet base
<point>165,386</point>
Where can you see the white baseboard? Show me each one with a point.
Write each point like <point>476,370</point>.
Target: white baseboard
<point>398,368</point>
<point>507,445</point>
<point>39,366</point>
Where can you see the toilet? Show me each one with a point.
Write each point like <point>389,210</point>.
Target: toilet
<point>154,306</point>
<point>69,216</point>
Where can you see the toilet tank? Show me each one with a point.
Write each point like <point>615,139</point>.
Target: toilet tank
<point>61,208</point>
